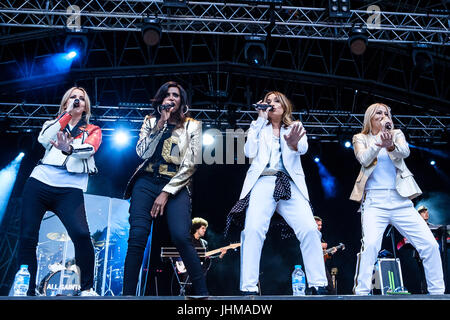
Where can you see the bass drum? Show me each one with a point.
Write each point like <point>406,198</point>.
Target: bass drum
<point>60,283</point>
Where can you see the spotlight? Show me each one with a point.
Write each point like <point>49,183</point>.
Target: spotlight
<point>255,50</point>
<point>121,138</point>
<point>357,41</point>
<point>76,44</point>
<point>208,139</point>
<point>151,32</point>
<point>339,8</point>
<point>347,144</point>
<point>432,162</point>
<point>316,159</point>
<point>20,156</point>
<point>72,54</point>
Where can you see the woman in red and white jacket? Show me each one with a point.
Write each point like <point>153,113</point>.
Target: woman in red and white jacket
<point>57,184</point>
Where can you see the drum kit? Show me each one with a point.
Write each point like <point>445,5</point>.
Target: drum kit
<point>61,274</point>
<point>58,274</point>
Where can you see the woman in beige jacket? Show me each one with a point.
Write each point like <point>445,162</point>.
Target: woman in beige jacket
<point>384,188</point>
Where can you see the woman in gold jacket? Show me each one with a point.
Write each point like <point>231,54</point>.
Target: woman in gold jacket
<point>169,145</point>
<point>384,188</point>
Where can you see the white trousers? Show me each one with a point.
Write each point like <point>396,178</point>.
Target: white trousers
<point>298,215</point>
<point>381,208</point>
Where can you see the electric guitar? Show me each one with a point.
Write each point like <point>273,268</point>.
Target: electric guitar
<point>327,253</point>
<point>231,246</point>
<point>182,269</point>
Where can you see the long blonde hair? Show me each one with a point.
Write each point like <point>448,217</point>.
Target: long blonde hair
<point>286,104</point>
<point>87,101</point>
<point>370,112</point>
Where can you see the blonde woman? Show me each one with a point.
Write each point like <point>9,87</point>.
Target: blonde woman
<point>276,181</point>
<point>384,188</point>
<point>57,184</point>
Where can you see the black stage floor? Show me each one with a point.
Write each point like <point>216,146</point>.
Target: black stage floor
<point>277,307</point>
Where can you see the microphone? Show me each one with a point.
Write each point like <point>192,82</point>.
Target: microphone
<point>76,103</point>
<point>167,106</point>
<point>388,126</point>
<point>261,106</point>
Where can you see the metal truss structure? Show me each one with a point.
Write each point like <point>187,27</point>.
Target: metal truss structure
<point>228,18</point>
<point>323,125</point>
<point>202,47</point>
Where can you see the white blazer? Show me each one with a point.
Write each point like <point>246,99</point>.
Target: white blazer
<point>258,148</point>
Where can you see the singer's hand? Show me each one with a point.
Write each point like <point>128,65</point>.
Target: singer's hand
<point>165,115</point>
<point>294,136</point>
<point>263,113</point>
<point>159,204</point>
<point>69,107</point>
<point>63,142</point>
<point>386,140</point>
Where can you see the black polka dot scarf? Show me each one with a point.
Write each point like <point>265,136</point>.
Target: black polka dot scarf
<point>282,191</point>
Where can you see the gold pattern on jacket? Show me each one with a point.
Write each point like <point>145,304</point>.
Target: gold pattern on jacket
<point>187,138</point>
<point>366,152</point>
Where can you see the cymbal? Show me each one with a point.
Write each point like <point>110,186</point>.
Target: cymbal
<point>58,236</point>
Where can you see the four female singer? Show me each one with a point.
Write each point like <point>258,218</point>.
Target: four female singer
<point>57,184</point>
<point>276,181</point>
<point>168,144</point>
<point>384,187</point>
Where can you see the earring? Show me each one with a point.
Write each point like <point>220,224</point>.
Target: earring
<point>187,109</point>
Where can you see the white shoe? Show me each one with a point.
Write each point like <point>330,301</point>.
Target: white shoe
<point>89,293</point>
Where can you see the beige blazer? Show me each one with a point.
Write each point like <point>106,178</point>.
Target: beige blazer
<point>366,153</point>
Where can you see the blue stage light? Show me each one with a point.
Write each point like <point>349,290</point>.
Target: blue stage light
<point>347,144</point>
<point>121,138</point>
<point>433,163</point>
<point>316,159</point>
<point>72,54</point>
<point>7,179</point>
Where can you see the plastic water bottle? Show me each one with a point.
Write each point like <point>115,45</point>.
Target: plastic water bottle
<point>21,281</point>
<point>298,281</point>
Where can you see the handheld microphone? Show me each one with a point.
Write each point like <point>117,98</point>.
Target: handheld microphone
<point>167,106</point>
<point>388,126</point>
<point>76,103</point>
<point>261,106</point>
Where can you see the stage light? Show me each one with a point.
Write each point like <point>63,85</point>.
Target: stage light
<point>327,180</point>
<point>72,54</point>
<point>357,41</point>
<point>255,50</point>
<point>433,163</point>
<point>75,44</point>
<point>121,138</point>
<point>151,32</point>
<point>339,8</point>
<point>7,179</point>
<point>207,139</point>
<point>347,144</point>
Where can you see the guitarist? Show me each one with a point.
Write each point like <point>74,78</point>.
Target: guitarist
<point>330,288</point>
<point>198,231</point>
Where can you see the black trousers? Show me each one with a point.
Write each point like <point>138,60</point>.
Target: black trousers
<point>177,212</point>
<point>68,205</point>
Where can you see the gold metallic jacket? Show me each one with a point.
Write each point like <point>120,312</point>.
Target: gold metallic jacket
<point>366,153</point>
<point>186,155</point>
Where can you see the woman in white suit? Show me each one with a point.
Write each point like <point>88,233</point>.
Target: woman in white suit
<point>275,182</point>
<point>384,188</point>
